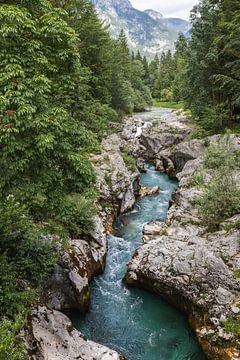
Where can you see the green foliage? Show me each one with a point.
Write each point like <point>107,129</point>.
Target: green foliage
<point>129,87</point>
<point>232,326</point>
<point>63,80</point>
<point>204,70</point>
<point>42,143</point>
<point>129,160</point>
<point>168,104</point>
<point>237,273</point>
<point>77,215</point>
<point>222,156</point>
<point>196,179</point>
<point>13,299</point>
<point>221,198</point>
<point>11,346</point>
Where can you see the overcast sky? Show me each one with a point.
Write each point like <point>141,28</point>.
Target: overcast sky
<point>169,8</point>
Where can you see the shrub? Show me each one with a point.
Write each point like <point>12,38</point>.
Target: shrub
<point>222,156</point>
<point>14,225</point>
<point>196,179</point>
<point>11,346</point>
<point>77,215</point>
<point>221,199</point>
<point>12,299</point>
<point>129,160</point>
<point>36,259</point>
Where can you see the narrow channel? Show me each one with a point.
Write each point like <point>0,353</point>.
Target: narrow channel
<point>132,321</point>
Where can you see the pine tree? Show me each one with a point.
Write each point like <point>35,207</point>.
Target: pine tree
<point>154,74</point>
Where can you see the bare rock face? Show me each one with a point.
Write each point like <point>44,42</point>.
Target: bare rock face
<point>115,181</point>
<point>167,134</point>
<point>68,286</point>
<point>54,338</point>
<point>185,151</point>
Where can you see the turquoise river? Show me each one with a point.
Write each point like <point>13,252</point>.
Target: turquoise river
<point>132,321</point>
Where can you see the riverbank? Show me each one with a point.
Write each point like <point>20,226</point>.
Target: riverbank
<point>181,261</point>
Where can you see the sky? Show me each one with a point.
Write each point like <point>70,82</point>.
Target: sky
<point>169,8</point>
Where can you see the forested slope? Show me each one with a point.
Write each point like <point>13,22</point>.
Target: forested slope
<point>204,70</point>
<point>62,81</point>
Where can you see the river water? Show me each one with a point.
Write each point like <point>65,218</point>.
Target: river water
<point>132,321</point>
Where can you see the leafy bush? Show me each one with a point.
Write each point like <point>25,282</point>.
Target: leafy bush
<point>199,132</point>
<point>14,225</point>
<point>197,179</point>
<point>12,299</point>
<point>77,215</point>
<point>129,160</point>
<point>222,156</point>
<point>11,346</point>
<point>221,199</point>
<point>35,260</point>
<point>26,257</point>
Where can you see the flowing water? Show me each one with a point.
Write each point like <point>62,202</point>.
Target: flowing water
<point>132,321</point>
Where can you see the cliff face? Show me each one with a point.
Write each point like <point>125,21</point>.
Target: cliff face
<point>147,31</point>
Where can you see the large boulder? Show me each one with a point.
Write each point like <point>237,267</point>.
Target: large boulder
<point>68,286</point>
<point>53,337</point>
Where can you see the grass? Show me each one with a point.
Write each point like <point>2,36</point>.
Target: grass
<point>168,104</point>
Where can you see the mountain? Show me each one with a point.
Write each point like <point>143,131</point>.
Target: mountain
<point>147,31</point>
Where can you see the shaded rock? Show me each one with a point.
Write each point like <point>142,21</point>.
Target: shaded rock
<point>185,151</point>
<point>115,182</point>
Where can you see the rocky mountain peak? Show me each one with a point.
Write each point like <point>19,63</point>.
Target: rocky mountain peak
<point>147,31</point>
<point>154,14</point>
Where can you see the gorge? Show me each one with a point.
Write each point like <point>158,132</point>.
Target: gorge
<point>176,261</point>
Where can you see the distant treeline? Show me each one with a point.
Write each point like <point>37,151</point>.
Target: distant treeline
<point>204,72</point>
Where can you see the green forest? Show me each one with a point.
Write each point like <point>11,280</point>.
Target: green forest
<point>204,72</point>
<point>62,81</point>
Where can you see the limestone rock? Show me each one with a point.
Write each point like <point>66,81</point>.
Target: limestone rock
<point>56,339</point>
<point>145,190</point>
